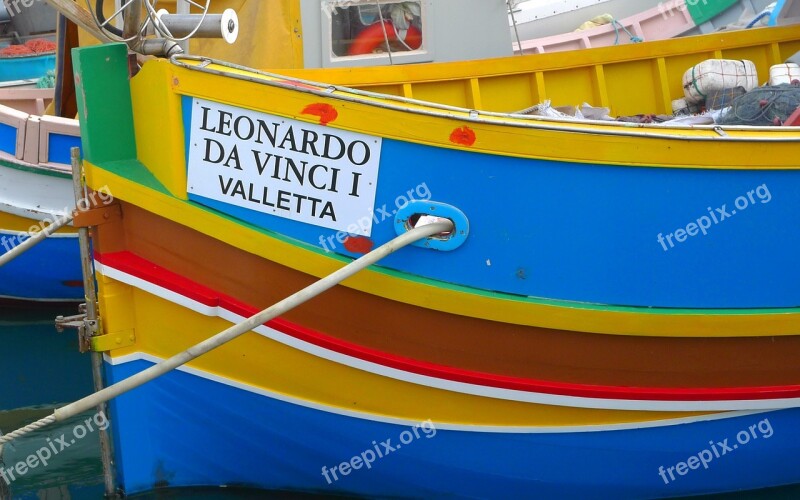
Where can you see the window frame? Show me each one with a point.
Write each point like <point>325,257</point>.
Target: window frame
<point>331,60</point>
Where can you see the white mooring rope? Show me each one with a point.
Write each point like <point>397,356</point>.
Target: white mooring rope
<point>7,438</point>
<point>287,304</point>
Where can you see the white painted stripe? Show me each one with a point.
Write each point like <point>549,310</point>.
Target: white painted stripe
<point>25,234</point>
<point>138,356</point>
<point>449,385</point>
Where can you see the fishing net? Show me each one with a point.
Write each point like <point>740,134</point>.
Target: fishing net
<point>41,46</point>
<point>48,81</point>
<point>31,47</point>
<point>721,99</point>
<point>15,51</point>
<point>763,106</point>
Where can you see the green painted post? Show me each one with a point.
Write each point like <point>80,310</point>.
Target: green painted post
<point>104,103</point>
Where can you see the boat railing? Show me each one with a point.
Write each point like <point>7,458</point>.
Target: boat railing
<point>514,118</point>
<point>40,140</point>
<point>25,98</point>
<point>629,80</point>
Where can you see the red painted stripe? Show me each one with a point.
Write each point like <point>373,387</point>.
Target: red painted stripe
<point>134,265</point>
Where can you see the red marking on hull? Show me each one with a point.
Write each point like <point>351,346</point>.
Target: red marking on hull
<point>358,244</point>
<point>464,136</point>
<point>325,112</point>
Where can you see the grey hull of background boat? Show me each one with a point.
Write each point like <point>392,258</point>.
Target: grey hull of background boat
<point>29,20</point>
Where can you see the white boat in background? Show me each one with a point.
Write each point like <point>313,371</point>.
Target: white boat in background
<point>550,25</point>
<point>35,189</point>
<point>23,95</point>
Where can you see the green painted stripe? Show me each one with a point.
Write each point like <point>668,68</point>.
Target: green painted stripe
<point>134,171</point>
<point>497,295</point>
<point>35,170</point>
<point>703,11</point>
<point>574,305</point>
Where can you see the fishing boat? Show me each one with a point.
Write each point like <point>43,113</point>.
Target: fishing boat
<point>538,27</point>
<point>562,338</point>
<point>24,96</point>
<point>35,192</point>
<point>26,67</point>
<point>35,174</point>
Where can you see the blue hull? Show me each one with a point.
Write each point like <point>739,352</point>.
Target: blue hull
<point>50,271</point>
<point>23,68</point>
<point>574,241</point>
<point>184,430</point>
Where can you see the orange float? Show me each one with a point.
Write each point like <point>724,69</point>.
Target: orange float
<point>373,35</point>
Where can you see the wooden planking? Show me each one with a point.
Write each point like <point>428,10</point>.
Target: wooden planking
<point>474,94</point>
<point>627,86</point>
<point>664,95</point>
<point>396,90</point>
<point>570,86</point>
<point>450,92</point>
<point>789,49</point>
<point>601,94</point>
<point>626,94</point>
<point>775,54</point>
<point>508,93</point>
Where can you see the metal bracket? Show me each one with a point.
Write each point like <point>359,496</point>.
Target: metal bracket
<point>85,328</point>
<point>96,216</point>
<point>89,333</point>
<point>111,341</point>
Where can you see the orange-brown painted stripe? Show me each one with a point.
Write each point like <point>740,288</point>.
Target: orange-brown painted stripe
<point>455,341</point>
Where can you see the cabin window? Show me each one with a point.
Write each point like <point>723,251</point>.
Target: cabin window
<point>368,32</point>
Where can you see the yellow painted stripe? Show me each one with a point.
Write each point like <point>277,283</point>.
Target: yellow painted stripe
<point>508,310</point>
<point>11,222</point>
<point>495,135</point>
<point>163,328</point>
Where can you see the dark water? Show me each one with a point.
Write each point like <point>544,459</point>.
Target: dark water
<point>42,369</point>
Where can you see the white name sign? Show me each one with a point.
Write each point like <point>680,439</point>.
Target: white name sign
<point>288,168</point>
